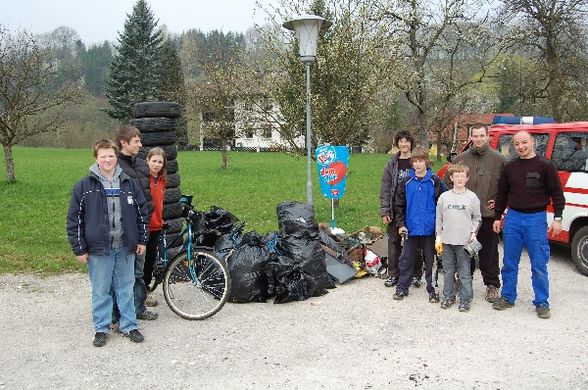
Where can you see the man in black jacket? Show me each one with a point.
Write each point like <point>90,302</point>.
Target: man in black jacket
<point>128,139</point>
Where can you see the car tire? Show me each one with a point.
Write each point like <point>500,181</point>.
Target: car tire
<point>171,152</point>
<point>158,138</point>
<point>149,109</point>
<point>149,125</point>
<point>172,166</point>
<point>580,250</point>
<point>172,210</point>
<point>172,195</point>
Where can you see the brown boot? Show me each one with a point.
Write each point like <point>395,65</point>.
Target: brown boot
<point>492,294</point>
<point>150,301</point>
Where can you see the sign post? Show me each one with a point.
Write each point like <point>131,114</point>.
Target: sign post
<point>333,162</point>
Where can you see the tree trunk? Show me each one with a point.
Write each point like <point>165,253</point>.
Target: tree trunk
<point>9,163</point>
<point>224,154</point>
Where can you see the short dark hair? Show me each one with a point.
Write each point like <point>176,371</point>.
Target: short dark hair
<point>404,134</point>
<point>478,126</point>
<point>103,144</point>
<point>125,133</point>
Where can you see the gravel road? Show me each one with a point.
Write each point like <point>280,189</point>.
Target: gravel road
<point>355,337</point>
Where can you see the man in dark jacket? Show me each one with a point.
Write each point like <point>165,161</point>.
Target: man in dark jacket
<point>395,171</point>
<point>485,165</point>
<point>128,139</point>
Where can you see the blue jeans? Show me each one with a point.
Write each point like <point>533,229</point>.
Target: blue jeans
<point>456,259</point>
<point>112,273</point>
<point>139,290</point>
<point>530,231</point>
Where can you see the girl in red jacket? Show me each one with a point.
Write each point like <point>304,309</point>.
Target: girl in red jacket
<point>157,183</point>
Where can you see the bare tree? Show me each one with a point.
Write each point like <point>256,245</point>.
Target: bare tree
<point>32,100</point>
<point>553,33</point>
<point>439,50</point>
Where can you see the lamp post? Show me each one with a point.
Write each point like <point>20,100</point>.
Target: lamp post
<point>307,28</point>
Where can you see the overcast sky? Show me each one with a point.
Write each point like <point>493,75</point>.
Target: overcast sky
<point>99,20</point>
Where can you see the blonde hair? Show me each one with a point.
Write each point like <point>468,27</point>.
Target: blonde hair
<point>159,152</point>
<point>455,168</point>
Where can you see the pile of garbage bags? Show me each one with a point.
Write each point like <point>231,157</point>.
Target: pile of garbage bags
<point>288,265</point>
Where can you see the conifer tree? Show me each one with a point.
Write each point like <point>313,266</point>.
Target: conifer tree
<point>135,71</point>
<point>172,87</point>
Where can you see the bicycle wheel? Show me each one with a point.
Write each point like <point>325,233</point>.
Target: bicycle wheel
<point>196,289</point>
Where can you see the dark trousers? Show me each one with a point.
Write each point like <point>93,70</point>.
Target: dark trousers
<point>152,251</point>
<point>488,255</point>
<point>406,262</point>
<point>394,251</point>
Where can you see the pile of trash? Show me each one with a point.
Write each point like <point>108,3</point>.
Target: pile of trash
<point>303,259</point>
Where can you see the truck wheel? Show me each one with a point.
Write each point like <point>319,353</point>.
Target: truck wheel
<point>580,250</point>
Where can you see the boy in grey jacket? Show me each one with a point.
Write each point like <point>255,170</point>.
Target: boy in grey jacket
<point>457,221</point>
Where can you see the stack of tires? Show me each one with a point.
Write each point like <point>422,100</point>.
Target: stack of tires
<point>157,122</point>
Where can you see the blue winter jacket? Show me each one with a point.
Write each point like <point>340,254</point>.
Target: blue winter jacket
<point>416,201</point>
<point>87,218</point>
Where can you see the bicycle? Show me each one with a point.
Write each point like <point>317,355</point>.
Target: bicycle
<point>196,283</point>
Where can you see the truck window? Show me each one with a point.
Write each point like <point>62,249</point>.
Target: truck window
<point>570,152</point>
<point>506,147</point>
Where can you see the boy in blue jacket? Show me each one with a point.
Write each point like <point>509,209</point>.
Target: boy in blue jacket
<point>415,206</point>
<point>106,227</point>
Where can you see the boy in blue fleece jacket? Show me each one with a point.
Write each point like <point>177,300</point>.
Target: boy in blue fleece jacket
<point>416,201</point>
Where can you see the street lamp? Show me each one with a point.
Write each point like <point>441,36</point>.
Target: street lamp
<point>307,28</point>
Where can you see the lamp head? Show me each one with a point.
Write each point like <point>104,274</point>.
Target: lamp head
<point>307,28</point>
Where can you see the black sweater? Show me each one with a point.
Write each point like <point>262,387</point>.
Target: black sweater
<point>527,185</point>
<point>138,170</point>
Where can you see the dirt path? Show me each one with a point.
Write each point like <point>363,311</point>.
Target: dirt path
<point>354,337</point>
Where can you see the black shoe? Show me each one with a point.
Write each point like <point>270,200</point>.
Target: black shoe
<point>135,336</point>
<point>543,312</point>
<point>416,282</point>
<point>464,306</point>
<point>502,304</point>
<point>433,297</point>
<point>447,303</point>
<point>147,315</point>
<point>100,339</point>
<point>391,281</point>
<point>400,295</point>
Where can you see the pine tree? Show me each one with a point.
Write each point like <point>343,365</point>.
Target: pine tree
<point>172,87</point>
<point>135,70</point>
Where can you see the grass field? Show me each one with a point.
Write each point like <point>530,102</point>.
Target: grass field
<point>33,211</point>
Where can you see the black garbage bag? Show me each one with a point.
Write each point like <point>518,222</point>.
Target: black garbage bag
<point>294,216</point>
<point>248,281</point>
<point>303,249</point>
<point>225,243</point>
<point>289,282</point>
<point>210,225</point>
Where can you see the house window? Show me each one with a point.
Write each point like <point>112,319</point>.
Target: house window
<point>248,133</point>
<point>266,131</point>
<point>570,152</point>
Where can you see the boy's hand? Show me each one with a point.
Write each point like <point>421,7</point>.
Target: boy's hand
<point>83,258</point>
<point>140,250</point>
<point>496,226</point>
<point>386,219</point>
<point>472,236</point>
<point>438,246</point>
<point>402,230</point>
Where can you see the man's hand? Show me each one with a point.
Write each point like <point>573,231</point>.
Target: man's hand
<point>490,204</point>
<point>555,228</point>
<point>140,250</point>
<point>496,226</point>
<point>386,219</point>
<point>83,258</point>
<point>402,230</point>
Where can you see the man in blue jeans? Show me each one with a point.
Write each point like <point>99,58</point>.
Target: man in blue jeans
<point>527,184</point>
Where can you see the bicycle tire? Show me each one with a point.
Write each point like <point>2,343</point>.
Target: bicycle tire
<point>200,299</point>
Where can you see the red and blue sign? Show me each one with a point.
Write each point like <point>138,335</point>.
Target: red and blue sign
<point>333,162</point>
